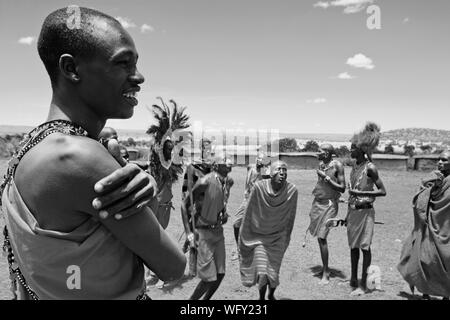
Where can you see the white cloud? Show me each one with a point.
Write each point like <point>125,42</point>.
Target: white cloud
<point>126,22</point>
<point>345,76</point>
<point>360,61</point>
<point>147,28</point>
<point>316,100</point>
<point>321,4</point>
<point>350,6</point>
<point>26,40</point>
<point>406,20</point>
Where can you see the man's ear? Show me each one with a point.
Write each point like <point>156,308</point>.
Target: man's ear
<point>67,67</point>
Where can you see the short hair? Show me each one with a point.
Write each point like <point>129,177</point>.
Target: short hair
<point>56,38</point>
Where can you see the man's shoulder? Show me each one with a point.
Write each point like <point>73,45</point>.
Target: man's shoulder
<point>63,170</point>
<point>337,163</point>
<point>60,149</point>
<point>371,167</point>
<point>260,183</point>
<point>60,157</point>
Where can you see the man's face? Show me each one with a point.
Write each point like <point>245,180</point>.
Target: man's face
<point>355,152</point>
<point>167,150</point>
<point>206,149</point>
<point>278,172</point>
<point>109,80</point>
<point>444,163</point>
<point>224,169</point>
<point>259,162</point>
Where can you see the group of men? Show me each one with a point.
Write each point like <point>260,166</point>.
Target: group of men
<point>91,222</point>
<point>264,221</point>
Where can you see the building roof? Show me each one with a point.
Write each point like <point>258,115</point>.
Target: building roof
<point>299,154</point>
<point>426,156</point>
<point>383,156</point>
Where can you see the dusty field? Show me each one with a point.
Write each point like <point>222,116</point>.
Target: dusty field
<point>298,279</point>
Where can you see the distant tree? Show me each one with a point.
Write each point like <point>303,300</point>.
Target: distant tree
<point>426,148</point>
<point>311,146</point>
<point>438,150</point>
<point>409,150</point>
<point>342,152</point>
<point>287,145</point>
<point>389,149</point>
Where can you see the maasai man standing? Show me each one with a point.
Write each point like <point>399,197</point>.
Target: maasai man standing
<point>54,191</point>
<point>210,196</point>
<point>330,185</point>
<point>254,173</point>
<point>165,164</point>
<point>425,258</point>
<point>194,171</point>
<point>266,230</point>
<point>361,214</point>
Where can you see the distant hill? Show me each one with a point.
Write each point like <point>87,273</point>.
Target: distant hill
<point>406,134</point>
<point>337,137</point>
<point>420,134</point>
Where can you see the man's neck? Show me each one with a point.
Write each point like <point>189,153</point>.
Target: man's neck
<point>326,161</point>
<point>71,109</point>
<point>360,160</point>
<point>221,177</point>
<point>276,186</point>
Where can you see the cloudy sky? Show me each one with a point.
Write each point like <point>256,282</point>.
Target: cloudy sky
<point>304,66</point>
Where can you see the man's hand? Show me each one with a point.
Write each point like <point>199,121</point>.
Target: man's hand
<point>321,174</point>
<point>125,191</point>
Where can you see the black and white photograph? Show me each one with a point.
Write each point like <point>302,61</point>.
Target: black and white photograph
<point>249,151</point>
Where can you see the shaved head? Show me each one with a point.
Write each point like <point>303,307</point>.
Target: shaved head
<point>57,37</point>
<point>276,166</point>
<point>108,133</point>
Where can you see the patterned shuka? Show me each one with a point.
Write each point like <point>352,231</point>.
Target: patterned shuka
<point>209,220</point>
<point>325,204</point>
<point>425,257</point>
<point>360,222</point>
<point>252,176</point>
<point>266,232</point>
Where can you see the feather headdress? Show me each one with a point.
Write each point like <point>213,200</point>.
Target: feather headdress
<point>368,138</point>
<point>168,127</point>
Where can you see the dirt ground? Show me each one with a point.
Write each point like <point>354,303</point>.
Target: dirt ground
<point>300,267</point>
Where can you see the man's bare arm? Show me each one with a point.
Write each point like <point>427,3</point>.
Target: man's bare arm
<point>87,163</point>
<point>130,183</point>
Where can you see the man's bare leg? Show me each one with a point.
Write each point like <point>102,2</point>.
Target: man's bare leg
<point>323,245</point>
<point>271,295</point>
<point>214,286</point>
<point>200,290</point>
<point>354,259</point>
<point>263,283</point>
<point>367,260</point>
<point>235,254</point>
<point>262,292</point>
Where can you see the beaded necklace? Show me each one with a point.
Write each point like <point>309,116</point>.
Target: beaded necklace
<point>28,142</point>
<point>356,169</point>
